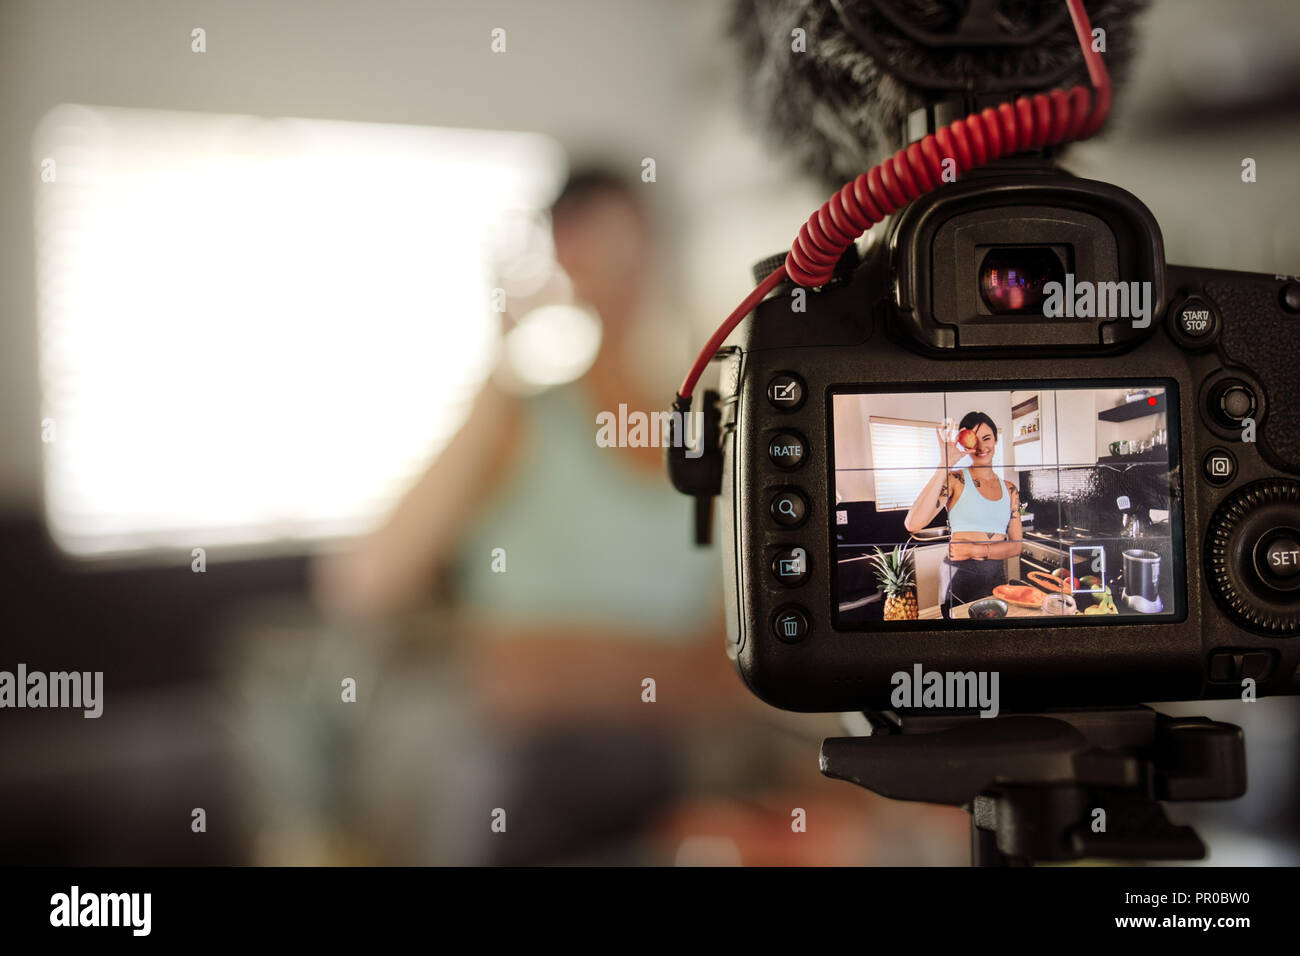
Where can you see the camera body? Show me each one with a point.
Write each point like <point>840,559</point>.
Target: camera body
<point>1155,443</point>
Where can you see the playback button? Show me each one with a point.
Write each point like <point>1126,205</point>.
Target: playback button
<point>790,566</point>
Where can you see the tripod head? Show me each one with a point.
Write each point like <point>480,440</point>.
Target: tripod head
<point>1059,785</point>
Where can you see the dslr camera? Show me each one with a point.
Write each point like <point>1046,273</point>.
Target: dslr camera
<point>1137,537</point>
<point>1009,438</point>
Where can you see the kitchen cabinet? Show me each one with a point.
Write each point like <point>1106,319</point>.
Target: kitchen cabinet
<point>1049,428</point>
<point>1076,429</point>
<point>926,561</point>
<point>1029,454</point>
<point>1027,429</point>
<point>1066,433</point>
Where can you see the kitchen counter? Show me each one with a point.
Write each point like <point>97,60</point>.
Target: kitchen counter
<point>962,612</point>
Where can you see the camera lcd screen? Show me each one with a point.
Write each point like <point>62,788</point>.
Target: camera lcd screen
<point>1016,504</point>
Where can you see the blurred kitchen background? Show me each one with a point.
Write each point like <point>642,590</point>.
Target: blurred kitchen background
<point>248,297</point>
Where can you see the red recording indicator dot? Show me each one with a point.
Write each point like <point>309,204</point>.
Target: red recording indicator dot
<point>1151,400</point>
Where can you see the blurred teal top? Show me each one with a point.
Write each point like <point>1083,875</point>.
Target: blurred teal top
<point>590,538</point>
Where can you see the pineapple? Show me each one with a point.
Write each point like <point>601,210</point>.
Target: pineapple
<point>896,574</point>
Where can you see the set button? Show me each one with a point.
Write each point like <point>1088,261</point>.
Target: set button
<point>1277,558</point>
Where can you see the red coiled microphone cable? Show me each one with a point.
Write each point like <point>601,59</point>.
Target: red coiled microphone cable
<point>1031,122</point>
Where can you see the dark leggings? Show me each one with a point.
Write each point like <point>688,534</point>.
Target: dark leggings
<point>971,580</point>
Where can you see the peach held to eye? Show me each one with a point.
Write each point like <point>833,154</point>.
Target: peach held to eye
<point>966,438</point>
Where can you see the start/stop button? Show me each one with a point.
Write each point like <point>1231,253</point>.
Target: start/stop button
<point>1194,323</point>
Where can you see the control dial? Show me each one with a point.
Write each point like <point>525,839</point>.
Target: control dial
<point>1252,556</point>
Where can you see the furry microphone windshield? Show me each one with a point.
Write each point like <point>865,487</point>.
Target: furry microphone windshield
<point>821,98</point>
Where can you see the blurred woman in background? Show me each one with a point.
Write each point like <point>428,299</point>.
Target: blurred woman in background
<point>580,695</point>
<point>571,567</point>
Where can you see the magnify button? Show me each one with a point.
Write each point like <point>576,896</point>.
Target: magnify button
<point>789,508</point>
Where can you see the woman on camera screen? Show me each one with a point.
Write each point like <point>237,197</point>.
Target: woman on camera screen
<point>983,511</point>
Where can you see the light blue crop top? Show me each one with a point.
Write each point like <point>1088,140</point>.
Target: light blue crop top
<point>589,538</point>
<point>974,512</point>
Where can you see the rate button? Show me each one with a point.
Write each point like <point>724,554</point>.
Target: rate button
<point>787,450</point>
